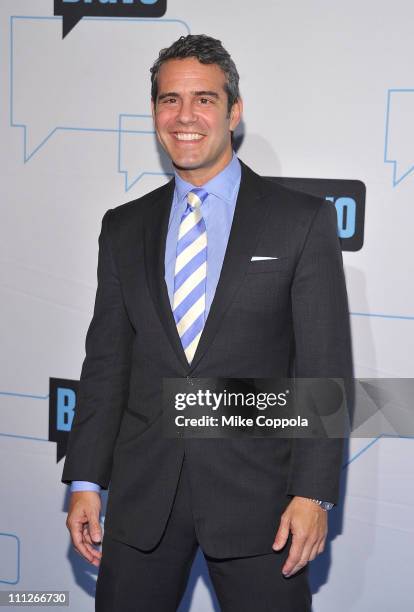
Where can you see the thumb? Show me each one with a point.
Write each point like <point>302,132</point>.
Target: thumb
<point>282,534</point>
<point>95,530</point>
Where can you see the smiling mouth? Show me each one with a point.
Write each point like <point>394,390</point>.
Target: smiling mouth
<point>188,136</point>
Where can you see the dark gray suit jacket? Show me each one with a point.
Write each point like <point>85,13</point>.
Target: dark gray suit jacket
<point>268,319</point>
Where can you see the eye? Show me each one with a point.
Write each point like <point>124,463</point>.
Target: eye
<point>169,100</point>
<point>204,101</point>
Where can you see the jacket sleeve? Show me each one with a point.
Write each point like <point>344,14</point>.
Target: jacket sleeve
<point>322,348</point>
<point>104,380</point>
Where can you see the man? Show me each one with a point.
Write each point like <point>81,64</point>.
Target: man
<point>219,273</point>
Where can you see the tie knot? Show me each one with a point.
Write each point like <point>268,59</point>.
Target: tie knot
<point>196,197</point>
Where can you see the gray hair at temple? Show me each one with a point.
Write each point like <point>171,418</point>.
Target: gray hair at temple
<point>208,51</point>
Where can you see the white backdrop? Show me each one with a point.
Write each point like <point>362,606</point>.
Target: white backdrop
<point>316,79</point>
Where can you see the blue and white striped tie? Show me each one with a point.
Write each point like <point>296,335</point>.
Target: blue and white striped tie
<point>189,300</point>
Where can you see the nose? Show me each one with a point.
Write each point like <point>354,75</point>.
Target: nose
<point>186,112</point>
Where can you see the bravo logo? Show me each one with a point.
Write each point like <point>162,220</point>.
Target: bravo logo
<point>62,403</point>
<point>72,11</point>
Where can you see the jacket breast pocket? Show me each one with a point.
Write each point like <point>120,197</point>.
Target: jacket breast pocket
<point>265,289</point>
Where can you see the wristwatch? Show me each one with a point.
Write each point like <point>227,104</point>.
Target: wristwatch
<point>323,504</point>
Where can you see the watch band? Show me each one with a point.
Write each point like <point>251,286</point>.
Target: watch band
<point>323,504</point>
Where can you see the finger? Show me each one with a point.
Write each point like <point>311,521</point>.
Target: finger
<point>96,554</point>
<point>314,552</point>
<point>92,548</point>
<point>295,553</point>
<point>88,551</point>
<point>93,561</point>
<point>304,558</point>
<point>79,543</point>
<point>87,540</point>
<point>86,535</point>
<point>321,546</point>
<point>282,534</point>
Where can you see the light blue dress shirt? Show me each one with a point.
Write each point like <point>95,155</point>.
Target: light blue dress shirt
<point>218,210</point>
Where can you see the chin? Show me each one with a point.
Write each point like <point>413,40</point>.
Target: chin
<point>186,164</point>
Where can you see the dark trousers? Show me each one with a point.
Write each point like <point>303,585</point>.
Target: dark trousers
<point>131,580</point>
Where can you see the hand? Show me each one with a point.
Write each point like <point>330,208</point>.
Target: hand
<point>83,524</point>
<point>309,526</point>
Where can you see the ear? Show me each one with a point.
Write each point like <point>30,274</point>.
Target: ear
<point>236,114</point>
<point>152,109</point>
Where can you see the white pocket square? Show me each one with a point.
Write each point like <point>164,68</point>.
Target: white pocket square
<point>259,258</point>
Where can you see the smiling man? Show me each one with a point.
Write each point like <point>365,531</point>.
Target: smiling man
<point>194,117</point>
<point>219,273</point>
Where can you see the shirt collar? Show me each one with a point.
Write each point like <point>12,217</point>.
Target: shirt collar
<point>222,185</point>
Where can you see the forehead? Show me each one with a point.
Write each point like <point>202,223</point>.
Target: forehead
<point>189,73</point>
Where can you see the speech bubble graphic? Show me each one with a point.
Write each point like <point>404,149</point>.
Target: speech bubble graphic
<point>399,133</point>
<point>83,84</point>
<point>9,558</point>
<point>138,149</point>
<point>72,11</point>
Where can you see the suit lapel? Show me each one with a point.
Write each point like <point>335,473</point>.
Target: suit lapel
<point>249,218</point>
<point>155,236</point>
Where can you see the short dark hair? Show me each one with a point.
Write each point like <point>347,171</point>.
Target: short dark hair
<point>208,51</point>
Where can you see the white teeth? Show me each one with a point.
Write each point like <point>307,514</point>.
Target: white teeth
<point>183,136</point>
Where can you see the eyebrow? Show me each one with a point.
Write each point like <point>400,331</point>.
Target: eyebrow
<point>213,94</point>
<point>174,94</point>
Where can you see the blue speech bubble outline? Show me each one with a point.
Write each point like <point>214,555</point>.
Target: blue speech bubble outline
<point>395,181</point>
<point>121,131</point>
<point>26,157</point>
<point>13,535</point>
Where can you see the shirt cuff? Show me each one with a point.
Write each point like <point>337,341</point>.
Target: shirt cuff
<point>84,485</point>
